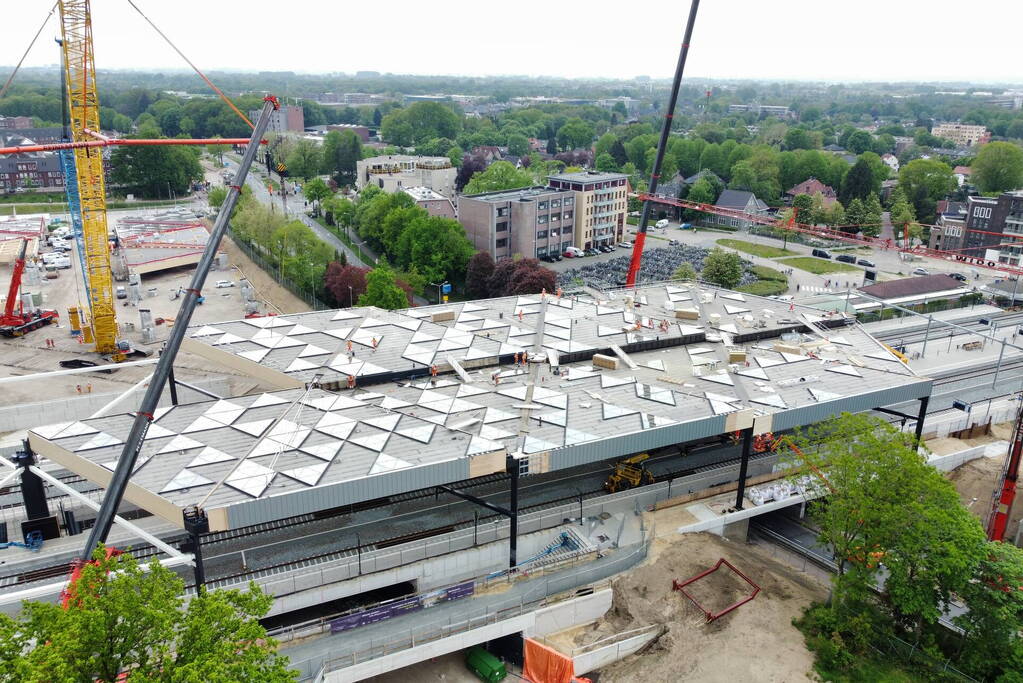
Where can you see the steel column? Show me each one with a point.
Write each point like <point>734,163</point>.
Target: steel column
<point>747,441</point>
<point>921,416</point>
<point>513,529</point>
<point>173,386</point>
<point>927,334</point>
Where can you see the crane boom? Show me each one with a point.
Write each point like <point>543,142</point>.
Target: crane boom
<point>83,106</point>
<point>662,146</point>
<point>144,415</point>
<point>1005,496</point>
<point>12,290</point>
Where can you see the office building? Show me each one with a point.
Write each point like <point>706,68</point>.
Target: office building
<point>962,134</point>
<point>601,205</point>
<point>529,222</point>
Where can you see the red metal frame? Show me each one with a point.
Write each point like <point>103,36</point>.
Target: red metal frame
<point>1005,496</point>
<point>680,586</point>
<point>833,234</point>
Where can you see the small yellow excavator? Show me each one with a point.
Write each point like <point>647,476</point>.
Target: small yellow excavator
<point>629,473</point>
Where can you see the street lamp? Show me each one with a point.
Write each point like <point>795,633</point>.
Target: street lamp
<point>351,297</point>
<point>444,286</point>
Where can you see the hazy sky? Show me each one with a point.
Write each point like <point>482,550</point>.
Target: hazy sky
<point>873,40</point>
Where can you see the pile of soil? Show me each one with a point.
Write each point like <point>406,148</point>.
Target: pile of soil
<point>755,642</point>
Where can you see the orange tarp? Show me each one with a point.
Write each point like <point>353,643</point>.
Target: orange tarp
<point>546,665</point>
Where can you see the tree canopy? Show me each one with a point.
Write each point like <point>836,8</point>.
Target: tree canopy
<point>157,171</point>
<point>419,123</point>
<point>124,620</point>
<point>501,175</point>
<point>382,289</point>
<point>998,167</point>
<point>723,268</point>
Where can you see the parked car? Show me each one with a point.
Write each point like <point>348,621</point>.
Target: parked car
<point>821,253</point>
<point>221,284</point>
<point>573,252</point>
<point>625,245</point>
<point>920,271</point>
<point>663,223</point>
<point>958,276</point>
<point>846,258</point>
<point>865,262</point>
<point>592,251</point>
<point>122,293</point>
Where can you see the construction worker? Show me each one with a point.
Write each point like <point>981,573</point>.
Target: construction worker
<point>351,381</point>
<point>348,345</point>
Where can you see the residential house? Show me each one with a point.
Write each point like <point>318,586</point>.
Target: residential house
<point>601,201</point>
<point>891,161</point>
<point>950,226</point>
<point>738,200</point>
<point>812,187</point>
<point>962,174</point>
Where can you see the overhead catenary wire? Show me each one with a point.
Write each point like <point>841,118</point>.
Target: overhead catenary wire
<point>194,67</point>
<point>10,79</point>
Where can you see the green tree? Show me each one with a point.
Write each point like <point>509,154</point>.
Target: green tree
<point>858,182</point>
<point>685,272</point>
<point>124,620</point>
<point>998,167</point>
<point>315,191</point>
<point>804,204</point>
<point>994,617</point>
<point>901,212</point>
<point>518,144</point>
<point>605,162</point>
<point>618,152</point>
<point>575,134</point>
<point>885,505</point>
<point>800,138</point>
<point>477,275</point>
<point>856,212</point>
<point>155,171</point>
<point>924,182</point>
<point>304,160</point>
<point>722,268</point>
<point>455,154</point>
<point>381,289</point>
<point>217,196</point>
<point>436,247</point>
<point>341,152</point>
<point>872,216</point>
<point>419,123</point>
<point>499,176</point>
<point>744,177</point>
<point>859,141</point>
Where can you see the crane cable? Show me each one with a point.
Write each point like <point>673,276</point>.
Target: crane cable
<point>194,67</point>
<point>3,91</point>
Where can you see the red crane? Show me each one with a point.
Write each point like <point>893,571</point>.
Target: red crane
<point>1001,506</point>
<point>17,324</point>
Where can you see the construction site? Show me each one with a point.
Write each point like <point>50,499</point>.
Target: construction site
<point>580,481</point>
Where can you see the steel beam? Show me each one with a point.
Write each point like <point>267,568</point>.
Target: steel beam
<point>747,442</point>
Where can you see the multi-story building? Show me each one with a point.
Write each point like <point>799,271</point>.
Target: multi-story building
<point>395,172</point>
<point>435,203</point>
<point>947,232</point>
<point>287,119</point>
<point>963,134</point>
<point>601,204</point>
<point>363,132</point>
<point>13,122</point>
<point>760,109</point>
<point>531,221</point>
<point>33,170</point>
<point>982,229</point>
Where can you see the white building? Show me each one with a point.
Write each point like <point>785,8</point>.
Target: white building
<point>396,172</point>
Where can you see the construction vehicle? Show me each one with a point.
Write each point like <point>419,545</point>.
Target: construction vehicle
<point>18,324</point>
<point>629,473</point>
<point>1005,495</point>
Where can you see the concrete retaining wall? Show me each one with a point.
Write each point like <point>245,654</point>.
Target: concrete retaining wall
<point>611,653</point>
<point>947,463</point>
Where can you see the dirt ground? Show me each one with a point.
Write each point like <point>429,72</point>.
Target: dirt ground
<point>977,480</point>
<point>277,298</point>
<point>754,643</point>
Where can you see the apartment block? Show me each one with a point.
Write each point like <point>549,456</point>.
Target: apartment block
<point>287,119</point>
<point>396,172</point>
<point>13,122</point>
<point>531,221</point>
<point>962,134</point>
<point>435,203</point>
<point>993,226</point>
<point>601,205</point>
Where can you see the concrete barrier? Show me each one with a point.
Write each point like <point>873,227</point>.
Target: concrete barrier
<point>599,656</point>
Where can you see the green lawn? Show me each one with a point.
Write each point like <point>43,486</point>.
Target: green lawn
<point>817,266</point>
<point>762,250</point>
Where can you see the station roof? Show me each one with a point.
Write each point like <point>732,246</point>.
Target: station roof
<point>151,244</point>
<point>256,458</point>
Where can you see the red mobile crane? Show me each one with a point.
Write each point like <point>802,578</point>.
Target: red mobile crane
<point>1001,506</point>
<point>17,324</point>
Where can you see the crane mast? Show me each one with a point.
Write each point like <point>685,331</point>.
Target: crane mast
<point>83,106</point>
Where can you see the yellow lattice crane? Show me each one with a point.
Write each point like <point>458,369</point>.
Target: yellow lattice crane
<point>83,103</point>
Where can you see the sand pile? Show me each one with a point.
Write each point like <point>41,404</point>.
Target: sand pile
<point>756,642</point>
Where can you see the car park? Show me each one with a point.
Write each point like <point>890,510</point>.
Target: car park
<point>865,262</point>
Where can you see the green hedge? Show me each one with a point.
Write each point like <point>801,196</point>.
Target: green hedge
<point>765,273</point>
